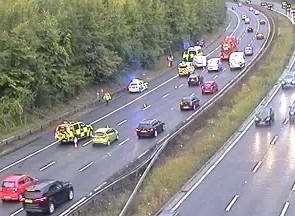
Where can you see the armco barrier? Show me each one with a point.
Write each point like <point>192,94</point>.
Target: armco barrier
<point>178,130</point>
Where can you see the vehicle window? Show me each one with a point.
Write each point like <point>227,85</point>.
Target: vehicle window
<point>82,124</point>
<point>22,181</point>
<point>33,194</point>
<point>55,187</point>
<point>155,123</point>
<point>109,131</point>
<point>76,126</point>
<point>144,125</point>
<point>8,184</point>
<point>27,179</point>
<point>133,84</point>
<point>99,134</point>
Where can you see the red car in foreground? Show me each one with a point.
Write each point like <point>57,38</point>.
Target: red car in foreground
<point>209,87</point>
<point>14,186</point>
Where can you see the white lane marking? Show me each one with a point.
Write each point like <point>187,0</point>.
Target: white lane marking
<point>88,142</point>
<point>86,166</point>
<point>145,108</point>
<point>165,137</point>
<point>286,121</point>
<point>122,122</point>
<point>165,95</point>
<point>48,165</point>
<point>17,212</point>
<point>100,186</point>
<point>142,154</point>
<point>116,110</point>
<point>109,154</point>
<point>72,207</point>
<point>274,139</point>
<point>232,202</point>
<point>121,143</point>
<point>257,166</point>
<point>284,210</point>
<point>180,85</point>
<point>215,77</point>
<point>293,187</point>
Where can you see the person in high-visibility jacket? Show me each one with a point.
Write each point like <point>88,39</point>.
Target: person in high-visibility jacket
<point>107,97</point>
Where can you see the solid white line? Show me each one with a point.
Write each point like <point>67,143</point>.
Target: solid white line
<point>232,202</point>
<point>17,212</point>
<point>100,186</point>
<point>73,206</point>
<point>284,210</point>
<point>86,166</point>
<point>142,154</point>
<point>286,121</point>
<point>180,85</point>
<point>88,142</point>
<point>166,95</point>
<point>148,106</point>
<point>121,143</point>
<point>122,122</point>
<point>48,165</point>
<point>293,187</point>
<point>215,77</point>
<point>257,166</point>
<point>273,141</point>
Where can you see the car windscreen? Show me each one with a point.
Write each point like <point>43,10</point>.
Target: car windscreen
<point>182,66</point>
<point>99,134</point>
<point>144,125</point>
<point>8,184</point>
<point>33,194</point>
<point>186,99</point>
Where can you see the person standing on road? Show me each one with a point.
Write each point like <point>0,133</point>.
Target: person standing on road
<point>170,60</point>
<point>107,97</point>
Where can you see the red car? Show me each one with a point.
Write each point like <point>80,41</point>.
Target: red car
<point>209,87</point>
<point>13,187</point>
<point>259,36</point>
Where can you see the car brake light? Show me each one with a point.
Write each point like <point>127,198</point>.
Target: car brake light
<point>40,200</point>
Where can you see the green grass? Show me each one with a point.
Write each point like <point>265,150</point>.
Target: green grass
<point>191,152</point>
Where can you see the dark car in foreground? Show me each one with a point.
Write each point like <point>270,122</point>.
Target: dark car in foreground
<point>45,196</point>
<point>288,81</point>
<point>150,128</point>
<point>190,102</point>
<point>292,113</point>
<point>195,80</point>
<point>265,117</point>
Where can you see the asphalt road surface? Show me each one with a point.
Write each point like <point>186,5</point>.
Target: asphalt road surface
<point>257,177</point>
<point>88,167</point>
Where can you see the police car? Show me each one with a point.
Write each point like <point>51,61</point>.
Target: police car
<point>137,85</point>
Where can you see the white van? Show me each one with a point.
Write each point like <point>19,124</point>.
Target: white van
<point>236,60</point>
<point>200,61</point>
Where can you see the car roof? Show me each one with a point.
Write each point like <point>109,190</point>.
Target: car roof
<point>147,121</point>
<point>102,130</point>
<point>136,80</point>
<point>14,178</point>
<point>42,185</point>
<point>210,82</point>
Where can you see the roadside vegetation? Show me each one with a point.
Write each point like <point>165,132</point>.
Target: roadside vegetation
<point>50,50</point>
<point>191,152</point>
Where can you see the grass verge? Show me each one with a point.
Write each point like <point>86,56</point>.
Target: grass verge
<point>191,151</point>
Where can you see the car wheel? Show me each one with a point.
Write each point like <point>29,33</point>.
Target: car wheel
<point>71,195</point>
<point>51,207</point>
<point>163,127</point>
<point>194,107</point>
<point>117,136</point>
<point>155,133</point>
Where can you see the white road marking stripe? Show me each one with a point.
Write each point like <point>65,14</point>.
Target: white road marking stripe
<point>85,144</point>
<point>86,166</point>
<point>145,108</point>
<point>17,212</point>
<point>48,165</point>
<point>109,154</point>
<point>215,77</point>
<point>122,122</point>
<point>275,138</point>
<point>293,187</point>
<point>284,210</point>
<point>166,95</point>
<point>286,121</point>
<point>100,186</point>
<point>142,154</point>
<point>180,85</point>
<point>232,202</point>
<point>121,143</point>
<point>257,166</point>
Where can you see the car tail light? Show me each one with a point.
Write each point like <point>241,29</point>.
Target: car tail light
<point>40,200</point>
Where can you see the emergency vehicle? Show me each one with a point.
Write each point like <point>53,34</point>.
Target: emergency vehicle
<point>185,69</point>
<point>137,86</point>
<point>229,45</point>
<point>195,50</point>
<point>68,131</point>
<point>236,60</point>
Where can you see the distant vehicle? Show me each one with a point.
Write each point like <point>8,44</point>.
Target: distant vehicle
<point>200,61</point>
<point>45,196</point>
<point>256,12</point>
<point>229,45</point>
<point>240,4</point>
<point>137,86</point>
<point>250,8</point>
<point>292,113</point>
<point>259,36</point>
<point>105,136</point>
<point>248,2</point>
<point>244,16</point>
<point>262,22</point>
<point>191,102</point>
<point>248,51</point>
<point>68,131</point>
<point>265,116</point>
<point>288,81</point>
<point>236,60</point>
<point>214,64</point>
<point>200,43</point>
<point>195,80</point>
<point>14,186</point>
<point>185,69</point>
<point>247,20</point>
<point>209,87</point>
<point>263,4</point>
<point>284,4</point>
<point>270,6</point>
<point>150,128</point>
<point>250,29</point>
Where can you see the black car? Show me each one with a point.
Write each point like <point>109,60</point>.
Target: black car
<point>262,22</point>
<point>46,195</point>
<point>288,81</point>
<point>190,102</point>
<point>265,116</point>
<point>195,80</point>
<point>250,29</point>
<point>292,113</point>
<point>150,128</point>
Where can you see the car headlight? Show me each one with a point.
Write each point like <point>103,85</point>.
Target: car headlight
<point>267,119</point>
<point>292,113</point>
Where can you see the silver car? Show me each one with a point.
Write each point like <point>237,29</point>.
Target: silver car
<point>248,51</point>
<point>288,81</point>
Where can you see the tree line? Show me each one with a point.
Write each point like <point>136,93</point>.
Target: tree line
<point>49,50</point>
